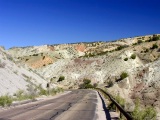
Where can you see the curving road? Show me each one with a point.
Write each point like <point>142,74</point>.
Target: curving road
<point>75,105</point>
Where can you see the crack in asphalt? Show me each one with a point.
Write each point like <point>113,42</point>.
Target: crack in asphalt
<point>61,111</point>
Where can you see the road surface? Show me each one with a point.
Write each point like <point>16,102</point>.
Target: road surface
<point>75,105</point>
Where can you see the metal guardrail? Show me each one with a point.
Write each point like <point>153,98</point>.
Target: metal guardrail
<point>128,116</point>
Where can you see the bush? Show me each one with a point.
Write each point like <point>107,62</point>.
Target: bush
<point>42,91</point>
<point>53,91</point>
<point>86,81</point>
<point>120,100</point>
<point>86,84</point>
<point>110,83</point>
<point>5,100</point>
<point>102,53</point>
<point>20,95</point>
<point>123,75</point>
<point>134,43</point>
<point>35,54</point>
<point>125,59</point>
<point>24,96</point>
<point>140,41</point>
<point>61,78</point>
<point>148,113</point>
<point>133,56</point>
<point>120,48</point>
<point>155,38</point>
<point>154,46</point>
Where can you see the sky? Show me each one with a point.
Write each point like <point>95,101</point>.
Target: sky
<point>38,22</point>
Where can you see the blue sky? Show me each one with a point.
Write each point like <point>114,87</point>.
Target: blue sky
<point>39,22</point>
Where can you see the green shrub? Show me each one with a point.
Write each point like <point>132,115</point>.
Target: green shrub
<point>120,100</point>
<point>53,91</point>
<point>120,48</point>
<point>149,113</point>
<point>20,95</point>
<point>86,84</point>
<point>35,54</point>
<point>154,46</point>
<point>43,92</point>
<point>123,75</point>
<point>133,56</point>
<point>5,100</point>
<point>140,41</point>
<point>61,78</point>
<point>91,55</point>
<point>125,59</point>
<point>86,81</point>
<point>110,83</point>
<point>134,43</point>
<point>25,96</point>
<point>155,38</point>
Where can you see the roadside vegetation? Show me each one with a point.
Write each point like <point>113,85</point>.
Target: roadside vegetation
<point>20,95</point>
<point>87,84</point>
<point>5,100</point>
<point>148,113</point>
<point>119,100</point>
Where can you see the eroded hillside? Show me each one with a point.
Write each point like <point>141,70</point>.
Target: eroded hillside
<point>102,63</point>
<point>15,77</point>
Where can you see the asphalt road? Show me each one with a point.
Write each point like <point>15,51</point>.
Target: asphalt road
<point>76,105</point>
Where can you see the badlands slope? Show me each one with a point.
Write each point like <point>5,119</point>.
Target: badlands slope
<point>15,77</point>
<point>100,62</point>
